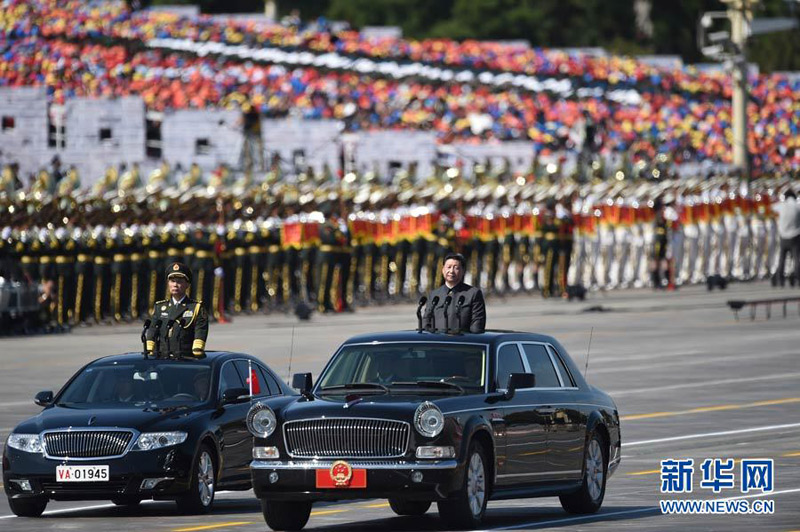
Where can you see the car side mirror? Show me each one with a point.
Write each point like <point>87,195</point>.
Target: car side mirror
<point>303,383</point>
<point>517,381</point>
<point>43,398</point>
<point>235,395</point>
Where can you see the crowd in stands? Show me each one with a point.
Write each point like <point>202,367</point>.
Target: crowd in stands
<point>77,49</point>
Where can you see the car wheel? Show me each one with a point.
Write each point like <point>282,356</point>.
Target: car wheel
<point>27,507</point>
<point>467,507</point>
<point>200,497</point>
<point>589,498</point>
<point>286,515</point>
<point>404,507</point>
<point>127,501</point>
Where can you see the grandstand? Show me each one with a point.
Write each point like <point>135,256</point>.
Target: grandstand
<point>456,93</point>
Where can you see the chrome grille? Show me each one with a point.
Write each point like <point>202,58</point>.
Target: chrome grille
<point>87,443</point>
<point>346,438</point>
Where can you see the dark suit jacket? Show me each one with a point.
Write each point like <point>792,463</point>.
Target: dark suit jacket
<point>472,312</point>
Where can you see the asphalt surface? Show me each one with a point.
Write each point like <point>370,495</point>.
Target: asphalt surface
<point>690,382</point>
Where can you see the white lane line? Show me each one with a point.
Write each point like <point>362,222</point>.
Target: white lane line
<point>603,516</point>
<point>731,360</point>
<point>776,376</point>
<point>712,434</point>
<point>65,510</point>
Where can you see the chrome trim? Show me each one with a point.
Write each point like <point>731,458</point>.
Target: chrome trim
<point>306,465</point>
<point>317,435</point>
<point>510,475</point>
<point>570,378</point>
<point>336,354</point>
<point>545,403</point>
<point>134,438</point>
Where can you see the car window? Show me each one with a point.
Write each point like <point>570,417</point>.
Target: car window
<point>562,369</point>
<point>541,366</point>
<point>508,362</point>
<point>274,387</point>
<point>259,386</point>
<point>155,383</point>
<point>409,363</point>
<point>229,378</point>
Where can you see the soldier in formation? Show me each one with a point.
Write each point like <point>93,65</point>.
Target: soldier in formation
<point>260,245</point>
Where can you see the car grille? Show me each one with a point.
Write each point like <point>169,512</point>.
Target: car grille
<point>87,443</point>
<point>111,486</point>
<point>346,438</point>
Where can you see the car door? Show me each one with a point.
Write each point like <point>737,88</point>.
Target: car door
<point>568,430</point>
<point>525,427</point>
<point>235,440</point>
<point>564,440</point>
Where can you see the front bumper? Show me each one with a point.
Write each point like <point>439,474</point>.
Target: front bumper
<point>173,465</point>
<point>297,480</point>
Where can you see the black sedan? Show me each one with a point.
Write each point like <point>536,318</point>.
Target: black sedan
<point>426,417</point>
<point>128,428</point>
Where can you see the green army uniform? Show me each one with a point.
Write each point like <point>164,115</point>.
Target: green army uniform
<point>190,330</point>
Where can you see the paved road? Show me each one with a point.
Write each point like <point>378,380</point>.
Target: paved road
<point>690,381</point>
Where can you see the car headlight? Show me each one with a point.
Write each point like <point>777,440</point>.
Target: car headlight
<point>30,443</point>
<point>149,441</point>
<point>428,420</point>
<point>261,420</point>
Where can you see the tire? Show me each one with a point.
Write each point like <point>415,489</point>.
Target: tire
<point>27,507</point>
<point>202,489</point>
<point>130,502</point>
<point>286,515</point>
<point>468,506</point>
<point>404,507</point>
<point>589,498</point>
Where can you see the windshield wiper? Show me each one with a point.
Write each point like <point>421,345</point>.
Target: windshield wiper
<point>360,386</point>
<point>440,385</point>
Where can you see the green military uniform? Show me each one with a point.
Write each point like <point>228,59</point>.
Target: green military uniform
<point>190,330</point>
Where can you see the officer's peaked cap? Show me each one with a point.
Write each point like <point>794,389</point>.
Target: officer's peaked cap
<point>179,269</point>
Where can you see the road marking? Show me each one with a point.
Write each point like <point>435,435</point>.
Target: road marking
<point>326,512</point>
<point>648,472</point>
<point>380,505</point>
<point>787,454</point>
<point>602,516</point>
<point>777,376</point>
<point>596,517</point>
<point>209,527</point>
<point>656,471</point>
<point>65,510</point>
<point>716,408</point>
<point>711,434</point>
<point>691,362</point>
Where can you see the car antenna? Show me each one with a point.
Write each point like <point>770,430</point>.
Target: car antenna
<point>588,350</point>
<point>291,352</point>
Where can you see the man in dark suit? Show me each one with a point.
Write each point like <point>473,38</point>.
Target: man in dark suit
<point>460,307</point>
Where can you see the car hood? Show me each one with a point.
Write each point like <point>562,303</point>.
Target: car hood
<point>397,407</point>
<point>141,419</point>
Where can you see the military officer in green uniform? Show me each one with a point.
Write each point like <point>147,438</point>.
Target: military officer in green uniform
<point>189,330</point>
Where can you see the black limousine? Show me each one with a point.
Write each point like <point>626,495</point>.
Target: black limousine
<point>426,417</point>
<point>128,428</point>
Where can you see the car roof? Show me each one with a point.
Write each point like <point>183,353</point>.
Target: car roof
<point>491,336</point>
<point>209,358</point>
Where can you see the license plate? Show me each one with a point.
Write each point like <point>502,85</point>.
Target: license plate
<point>82,473</point>
<point>357,480</point>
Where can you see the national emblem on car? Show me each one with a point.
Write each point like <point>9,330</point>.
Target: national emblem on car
<point>341,473</point>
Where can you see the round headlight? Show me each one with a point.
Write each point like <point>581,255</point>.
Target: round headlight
<point>428,420</point>
<point>261,421</point>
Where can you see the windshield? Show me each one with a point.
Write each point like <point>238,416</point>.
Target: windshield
<point>403,367</point>
<point>144,383</point>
